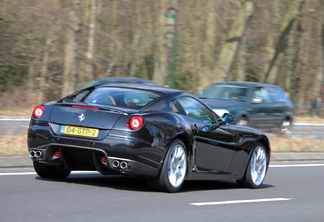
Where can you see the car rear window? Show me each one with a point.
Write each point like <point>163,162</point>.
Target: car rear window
<point>235,92</point>
<point>121,97</point>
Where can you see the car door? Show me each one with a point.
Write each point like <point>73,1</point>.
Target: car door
<point>261,107</point>
<point>214,145</point>
<point>280,104</point>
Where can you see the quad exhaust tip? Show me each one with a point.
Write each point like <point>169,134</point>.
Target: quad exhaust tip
<point>38,154</point>
<point>32,154</point>
<point>35,154</point>
<point>123,165</point>
<point>117,164</point>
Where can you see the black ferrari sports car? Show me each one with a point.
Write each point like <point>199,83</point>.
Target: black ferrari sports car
<point>163,135</point>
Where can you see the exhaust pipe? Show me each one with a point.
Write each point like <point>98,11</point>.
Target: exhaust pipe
<point>32,154</point>
<point>38,154</point>
<point>115,163</point>
<point>123,165</point>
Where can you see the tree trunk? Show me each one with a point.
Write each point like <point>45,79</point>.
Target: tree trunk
<point>31,70</point>
<point>84,34</point>
<point>242,61</point>
<point>209,45</point>
<point>135,51</point>
<point>270,44</point>
<point>160,6</point>
<point>293,11</point>
<point>230,48</point>
<point>169,35</point>
<point>69,57</point>
<point>113,27</point>
<point>44,66</point>
<point>290,62</point>
<point>91,39</point>
<point>317,88</point>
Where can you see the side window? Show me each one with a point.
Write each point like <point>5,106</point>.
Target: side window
<point>196,110</point>
<point>260,95</point>
<point>80,96</point>
<point>176,107</point>
<point>277,95</point>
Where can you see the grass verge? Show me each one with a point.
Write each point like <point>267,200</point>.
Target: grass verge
<point>13,145</point>
<point>296,145</point>
<point>26,112</point>
<point>17,145</point>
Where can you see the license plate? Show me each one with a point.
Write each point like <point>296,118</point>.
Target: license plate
<point>79,131</point>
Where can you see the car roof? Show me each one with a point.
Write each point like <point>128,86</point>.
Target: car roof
<point>130,79</point>
<point>101,81</point>
<point>160,89</point>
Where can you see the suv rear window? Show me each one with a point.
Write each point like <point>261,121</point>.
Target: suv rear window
<point>121,97</point>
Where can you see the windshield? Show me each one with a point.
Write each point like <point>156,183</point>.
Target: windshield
<point>234,92</point>
<point>121,97</point>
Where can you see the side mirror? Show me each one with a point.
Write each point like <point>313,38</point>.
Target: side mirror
<point>227,118</point>
<point>208,128</point>
<point>256,101</point>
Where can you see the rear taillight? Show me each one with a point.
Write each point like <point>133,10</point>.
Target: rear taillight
<point>38,111</point>
<point>135,122</point>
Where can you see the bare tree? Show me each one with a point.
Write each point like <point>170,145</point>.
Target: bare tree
<point>229,50</point>
<point>73,26</point>
<point>291,15</point>
<point>168,41</point>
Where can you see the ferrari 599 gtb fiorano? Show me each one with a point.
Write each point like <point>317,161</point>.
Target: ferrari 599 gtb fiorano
<point>162,135</point>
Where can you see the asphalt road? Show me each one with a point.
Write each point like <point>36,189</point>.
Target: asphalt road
<point>291,192</point>
<point>300,130</point>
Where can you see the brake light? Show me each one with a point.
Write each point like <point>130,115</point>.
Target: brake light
<point>135,122</point>
<point>85,107</point>
<point>38,111</point>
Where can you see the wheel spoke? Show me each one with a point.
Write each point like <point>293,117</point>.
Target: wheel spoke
<point>181,161</point>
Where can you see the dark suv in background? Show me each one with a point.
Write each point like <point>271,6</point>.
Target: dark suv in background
<point>252,104</point>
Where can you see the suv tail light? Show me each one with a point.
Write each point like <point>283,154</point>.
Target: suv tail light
<point>135,122</point>
<point>38,111</point>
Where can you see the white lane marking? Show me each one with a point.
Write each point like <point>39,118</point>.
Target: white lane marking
<point>239,201</point>
<point>15,174</point>
<point>307,124</point>
<point>298,165</point>
<point>34,173</point>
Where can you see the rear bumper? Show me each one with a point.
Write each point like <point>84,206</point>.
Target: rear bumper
<point>142,157</point>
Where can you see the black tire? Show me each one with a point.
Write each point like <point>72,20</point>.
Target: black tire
<point>172,167</point>
<point>256,169</point>
<point>51,172</point>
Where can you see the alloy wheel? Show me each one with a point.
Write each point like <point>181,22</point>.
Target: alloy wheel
<point>177,165</point>
<point>258,165</point>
